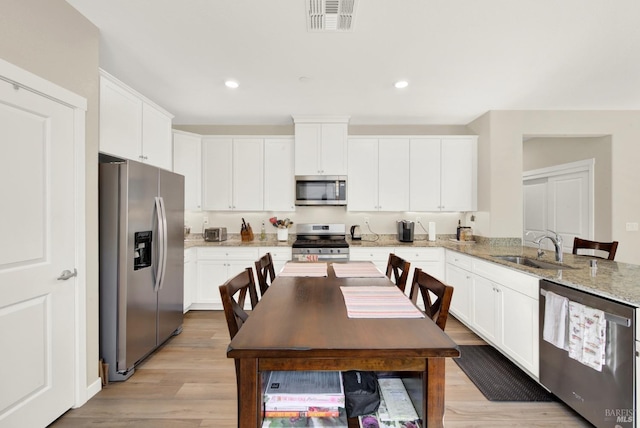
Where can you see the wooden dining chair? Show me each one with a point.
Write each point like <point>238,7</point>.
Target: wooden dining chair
<point>265,272</point>
<point>234,306</point>
<point>609,247</point>
<point>435,294</point>
<point>398,271</point>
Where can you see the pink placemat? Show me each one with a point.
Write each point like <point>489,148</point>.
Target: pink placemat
<point>304,269</point>
<point>357,270</point>
<point>378,302</point>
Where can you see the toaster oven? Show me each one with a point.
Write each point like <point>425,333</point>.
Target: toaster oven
<point>215,234</point>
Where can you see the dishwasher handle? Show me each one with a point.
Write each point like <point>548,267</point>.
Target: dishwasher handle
<point>623,321</point>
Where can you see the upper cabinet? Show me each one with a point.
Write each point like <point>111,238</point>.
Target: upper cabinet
<point>443,173</point>
<point>378,177</point>
<point>279,182</point>
<point>232,172</point>
<point>187,160</point>
<point>131,126</point>
<point>321,145</point>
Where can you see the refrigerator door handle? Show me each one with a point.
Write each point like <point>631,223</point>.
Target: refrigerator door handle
<point>164,242</point>
<point>161,243</point>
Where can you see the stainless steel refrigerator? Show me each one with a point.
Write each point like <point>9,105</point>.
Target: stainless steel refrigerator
<point>141,261</point>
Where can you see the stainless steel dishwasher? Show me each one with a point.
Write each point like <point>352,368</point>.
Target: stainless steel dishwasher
<point>605,398</point>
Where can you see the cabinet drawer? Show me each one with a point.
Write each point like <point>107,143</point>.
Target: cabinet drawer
<point>421,254</point>
<point>281,254</point>
<point>227,253</point>
<point>370,253</point>
<point>460,260</point>
<point>517,281</point>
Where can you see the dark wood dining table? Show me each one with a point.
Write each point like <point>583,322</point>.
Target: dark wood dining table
<point>301,323</point>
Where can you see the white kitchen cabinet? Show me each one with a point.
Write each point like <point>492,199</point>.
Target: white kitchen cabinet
<point>187,160</point>
<point>279,255</point>
<point>232,171</point>
<point>487,304</point>
<point>378,255</point>
<point>497,303</point>
<point>133,127</point>
<point>217,167</point>
<point>248,176</point>
<point>279,176</point>
<point>215,267</point>
<point>321,147</point>
<point>430,260</point>
<point>378,177</point>
<point>156,136</point>
<point>443,173</point>
<point>190,277</point>
<point>459,276</point>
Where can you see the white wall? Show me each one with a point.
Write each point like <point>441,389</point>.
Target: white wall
<point>381,223</point>
<point>500,172</point>
<point>545,152</point>
<point>54,41</point>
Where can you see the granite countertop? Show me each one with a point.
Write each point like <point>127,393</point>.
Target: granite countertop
<point>614,280</point>
<point>233,240</point>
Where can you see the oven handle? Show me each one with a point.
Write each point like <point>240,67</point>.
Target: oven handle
<point>607,316</point>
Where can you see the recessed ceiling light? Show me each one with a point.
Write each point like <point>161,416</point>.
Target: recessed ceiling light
<point>401,84</point>
<point>231,84</point>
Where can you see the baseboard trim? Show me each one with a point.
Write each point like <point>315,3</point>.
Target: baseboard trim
<point>94,388</point>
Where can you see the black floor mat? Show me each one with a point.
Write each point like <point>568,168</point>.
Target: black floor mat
<point>497,377</point>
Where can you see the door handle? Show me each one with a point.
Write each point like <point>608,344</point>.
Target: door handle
<point>66,274</point>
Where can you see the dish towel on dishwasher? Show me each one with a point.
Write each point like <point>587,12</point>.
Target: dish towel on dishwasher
<point>587,337</point>
<point>556,310</point>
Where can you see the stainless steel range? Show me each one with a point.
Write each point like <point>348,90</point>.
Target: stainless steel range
<point>321,242</point>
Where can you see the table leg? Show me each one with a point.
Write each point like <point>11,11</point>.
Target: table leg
<point>249,415</point>
<point>434,401</point>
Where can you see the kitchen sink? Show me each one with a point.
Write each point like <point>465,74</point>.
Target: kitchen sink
<point>534,263</point>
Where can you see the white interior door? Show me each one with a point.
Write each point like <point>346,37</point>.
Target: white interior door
<point>559,198</point>
<point>37,226</point>
<point>535,208</point>
<point>569,207</point>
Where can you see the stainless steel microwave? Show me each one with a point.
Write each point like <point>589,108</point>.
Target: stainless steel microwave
<point>321,190</point>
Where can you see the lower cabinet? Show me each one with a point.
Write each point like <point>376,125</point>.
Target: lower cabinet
<point>430,260</point>
<point>207,268</point>
<point>499,304</point>
<point>458,275</point>
<point>279,255</point>
<point>190,277</point>
<point>214,267</point>
<point>378,255</point>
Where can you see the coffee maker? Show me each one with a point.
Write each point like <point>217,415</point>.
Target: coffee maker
<point>405,230</point>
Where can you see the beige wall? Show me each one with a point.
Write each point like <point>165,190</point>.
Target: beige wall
<point>545,152</point>
<point>52,40</point>
<point>501,135</point>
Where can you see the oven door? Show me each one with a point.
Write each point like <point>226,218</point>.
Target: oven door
<point>320,255</point>
<point>321,190</point>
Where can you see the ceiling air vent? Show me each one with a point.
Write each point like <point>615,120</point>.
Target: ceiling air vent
<point>330,15</point>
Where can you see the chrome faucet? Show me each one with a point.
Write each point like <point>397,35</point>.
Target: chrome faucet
<point>557,242</point>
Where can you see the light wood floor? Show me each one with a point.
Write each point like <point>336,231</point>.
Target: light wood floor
<point>190,383</point>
